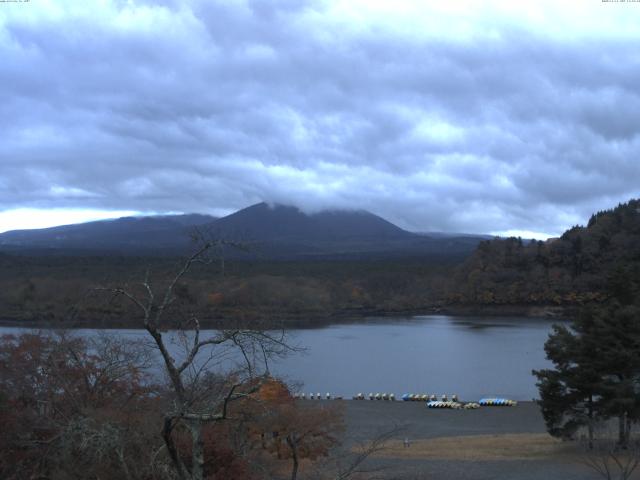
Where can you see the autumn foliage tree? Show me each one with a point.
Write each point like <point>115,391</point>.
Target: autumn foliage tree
<point>292,431</point>
<point>76,408</point>
<point>72,406</point>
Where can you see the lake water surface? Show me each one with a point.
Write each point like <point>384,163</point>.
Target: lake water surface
<point>469,356</point>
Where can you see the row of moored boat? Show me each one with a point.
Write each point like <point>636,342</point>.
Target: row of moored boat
<point>431,400</point>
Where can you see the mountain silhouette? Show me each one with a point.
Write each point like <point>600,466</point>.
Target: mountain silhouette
<point>265,231</point>
<point>118,235</point>
<point>279,223</point>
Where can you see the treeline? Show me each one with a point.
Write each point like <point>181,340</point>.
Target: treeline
<point>569,271</point>
<point>52,290</point>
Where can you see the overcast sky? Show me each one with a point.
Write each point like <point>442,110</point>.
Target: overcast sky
<point>439,116</point>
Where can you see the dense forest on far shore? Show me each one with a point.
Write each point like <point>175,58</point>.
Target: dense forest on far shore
<point>568,271</point>
<point>501,275</point>
<point>42,290</point>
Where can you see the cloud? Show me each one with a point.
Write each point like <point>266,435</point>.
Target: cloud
<point>453,116</point>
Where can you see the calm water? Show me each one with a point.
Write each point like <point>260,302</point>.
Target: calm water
<point>470,356</point>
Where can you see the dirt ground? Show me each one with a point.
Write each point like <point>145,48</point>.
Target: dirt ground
<point>489,443</point>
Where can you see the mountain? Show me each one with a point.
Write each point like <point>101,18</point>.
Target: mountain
<point>123,234</point>
<point>280,232</point>
<point>281,223</point>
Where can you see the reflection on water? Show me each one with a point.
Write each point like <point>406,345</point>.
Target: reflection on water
<point>469,356</point>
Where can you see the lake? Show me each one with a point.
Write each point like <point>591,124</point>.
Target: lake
<point>472,357</point>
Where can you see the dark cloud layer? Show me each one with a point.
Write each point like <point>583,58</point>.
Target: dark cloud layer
<point>209,107</point>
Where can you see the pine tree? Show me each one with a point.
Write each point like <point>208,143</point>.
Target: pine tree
<point>596,374</point>
<point>569,393</point>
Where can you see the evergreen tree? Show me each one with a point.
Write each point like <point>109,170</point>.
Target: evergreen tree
<point>569,393</point>
<point>596,372</point>
<point>618,362</point>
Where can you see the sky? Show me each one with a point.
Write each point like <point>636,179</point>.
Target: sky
<point>511,118</point>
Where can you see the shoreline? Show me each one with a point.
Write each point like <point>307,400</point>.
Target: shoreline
<point>303,320</point>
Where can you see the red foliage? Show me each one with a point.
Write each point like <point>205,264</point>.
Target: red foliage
<point>49,382</point>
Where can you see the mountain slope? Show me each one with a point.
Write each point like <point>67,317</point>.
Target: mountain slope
<point>281,223</point>
<point>286,232</point>
<point>137,233</point>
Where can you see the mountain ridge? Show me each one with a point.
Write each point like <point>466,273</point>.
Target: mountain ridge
<point>271,231</point>
<point>167,230</point>
<point>282,222</point>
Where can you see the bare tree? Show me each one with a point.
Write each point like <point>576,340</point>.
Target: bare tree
<point>612,462</point>
<point>198,398</point>
<point>352,460</point>
<point>355,464</point>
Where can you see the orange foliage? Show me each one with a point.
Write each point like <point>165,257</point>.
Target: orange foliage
<point>274,391</point>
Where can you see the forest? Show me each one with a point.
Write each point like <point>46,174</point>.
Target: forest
<point>572,270</point>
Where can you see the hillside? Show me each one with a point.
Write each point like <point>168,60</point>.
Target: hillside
<point>133,234</point>
<point>571,270</point>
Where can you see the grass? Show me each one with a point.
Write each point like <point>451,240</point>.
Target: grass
<point>527,446</point>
